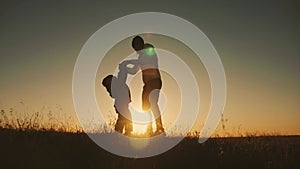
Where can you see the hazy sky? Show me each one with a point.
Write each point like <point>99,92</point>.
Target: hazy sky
<point>258,42</point>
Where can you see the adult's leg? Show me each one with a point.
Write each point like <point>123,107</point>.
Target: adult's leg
<point>154,96</point>
<point>151,92</point>
<point>147,107</point>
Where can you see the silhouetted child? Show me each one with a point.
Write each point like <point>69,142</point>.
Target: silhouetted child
<point>118,89</point>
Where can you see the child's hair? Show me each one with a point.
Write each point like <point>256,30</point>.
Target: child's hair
<point>106,82</point>
<point>137,43</point>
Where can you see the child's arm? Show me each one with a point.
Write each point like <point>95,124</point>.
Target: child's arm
<point>122,74</point>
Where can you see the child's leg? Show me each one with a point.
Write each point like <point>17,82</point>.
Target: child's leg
<point>128,127</point>
<point>127,122</point>
<point>119,124</point>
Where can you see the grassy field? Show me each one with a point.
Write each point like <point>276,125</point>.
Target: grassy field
<point>51,149</point>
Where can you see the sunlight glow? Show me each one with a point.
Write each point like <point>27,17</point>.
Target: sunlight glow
<point>139,143</point>
<point>140,121</point>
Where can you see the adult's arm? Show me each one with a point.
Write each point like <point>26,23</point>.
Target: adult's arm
<point>133,70</point>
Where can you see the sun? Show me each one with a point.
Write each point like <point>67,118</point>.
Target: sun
<point>140,121</point>
<point>139,129</point>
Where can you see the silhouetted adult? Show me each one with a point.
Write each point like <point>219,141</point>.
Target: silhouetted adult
<point>147,62</point>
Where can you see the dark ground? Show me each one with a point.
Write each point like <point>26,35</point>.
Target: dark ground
<point>33,149</point>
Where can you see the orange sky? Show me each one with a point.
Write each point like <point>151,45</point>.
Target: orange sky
<point>257,42</point>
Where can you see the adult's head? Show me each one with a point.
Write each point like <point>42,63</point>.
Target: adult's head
<point>137,43</point>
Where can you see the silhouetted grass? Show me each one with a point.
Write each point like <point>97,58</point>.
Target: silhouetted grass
<point>52,149</point>
<point>29,141</point>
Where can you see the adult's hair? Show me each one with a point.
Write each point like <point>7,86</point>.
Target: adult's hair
<point>137,43</point>
<point>148,45</point>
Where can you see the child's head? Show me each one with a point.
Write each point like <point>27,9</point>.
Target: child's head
<point>137,43</point>
<point>106,82</point>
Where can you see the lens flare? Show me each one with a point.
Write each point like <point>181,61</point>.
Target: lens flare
<point>150,51</point>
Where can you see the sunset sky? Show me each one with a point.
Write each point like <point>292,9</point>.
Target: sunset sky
<point>258,43</point>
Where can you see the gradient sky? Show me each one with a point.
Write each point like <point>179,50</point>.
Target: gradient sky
<point>258,43</point>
